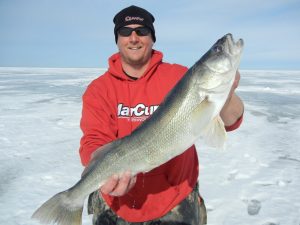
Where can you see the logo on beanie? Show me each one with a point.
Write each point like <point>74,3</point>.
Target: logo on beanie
<point>130,18</point>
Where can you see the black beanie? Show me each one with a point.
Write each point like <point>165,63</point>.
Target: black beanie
<point>134,15</point>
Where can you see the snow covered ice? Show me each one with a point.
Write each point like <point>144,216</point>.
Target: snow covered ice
<point>254,181</point>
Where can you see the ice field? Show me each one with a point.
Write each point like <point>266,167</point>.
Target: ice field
<point>254,181</point>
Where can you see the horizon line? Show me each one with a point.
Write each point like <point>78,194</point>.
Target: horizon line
<point>105,68</point>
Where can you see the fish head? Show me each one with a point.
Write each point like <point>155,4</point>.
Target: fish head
<point>220,62</point>
<point>224,55</point>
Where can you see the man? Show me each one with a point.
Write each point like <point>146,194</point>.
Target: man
<point>115,104</point>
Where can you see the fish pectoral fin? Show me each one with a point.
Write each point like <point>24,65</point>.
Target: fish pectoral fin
<point>214,133</point>
<point>211,129</point>
<point>201,115</point>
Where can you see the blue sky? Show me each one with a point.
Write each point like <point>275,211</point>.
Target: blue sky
<point>79,33</point>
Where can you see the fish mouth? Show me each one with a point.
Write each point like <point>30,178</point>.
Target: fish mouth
<point>239,43</point>
<point>233,47</point>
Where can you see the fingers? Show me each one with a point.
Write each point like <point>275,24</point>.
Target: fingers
<point>118,185</point>
<point>110,184</point>
<point>237,79</point>
<point>122,187</point>
<point>235,84</point>
<point>233,87</point>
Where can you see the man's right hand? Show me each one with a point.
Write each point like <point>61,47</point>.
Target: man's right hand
<point>118,185</point>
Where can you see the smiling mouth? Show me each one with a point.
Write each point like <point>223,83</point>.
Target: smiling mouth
<point>135,48</point>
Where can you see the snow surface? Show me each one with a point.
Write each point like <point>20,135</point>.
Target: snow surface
<point>254,181</point>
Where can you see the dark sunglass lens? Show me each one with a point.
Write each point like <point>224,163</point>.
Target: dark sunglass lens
<point>125,31</point>
<point>142,31</point>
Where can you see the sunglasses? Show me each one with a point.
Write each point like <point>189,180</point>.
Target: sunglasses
<point>140,31</point>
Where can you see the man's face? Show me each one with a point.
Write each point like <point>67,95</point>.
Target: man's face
<point>135,49</point>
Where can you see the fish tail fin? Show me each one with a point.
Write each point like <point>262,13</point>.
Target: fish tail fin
<point>60,209</point>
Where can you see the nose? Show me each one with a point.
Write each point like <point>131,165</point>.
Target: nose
<point>133,37</point>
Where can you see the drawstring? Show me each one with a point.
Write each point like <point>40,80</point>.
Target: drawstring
<point>130,113</point>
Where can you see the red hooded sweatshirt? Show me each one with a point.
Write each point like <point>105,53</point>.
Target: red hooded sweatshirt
<point>113,106</point>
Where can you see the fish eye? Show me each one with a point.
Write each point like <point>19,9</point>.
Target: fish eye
<point>218,48</point>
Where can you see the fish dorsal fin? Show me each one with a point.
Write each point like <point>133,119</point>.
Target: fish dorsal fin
<point>214,133</point>
<point>98,154</point>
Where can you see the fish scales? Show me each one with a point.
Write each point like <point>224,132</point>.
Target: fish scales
<point>191,110</point>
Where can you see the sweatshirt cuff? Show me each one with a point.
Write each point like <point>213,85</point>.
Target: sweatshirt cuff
<point>235,125</point>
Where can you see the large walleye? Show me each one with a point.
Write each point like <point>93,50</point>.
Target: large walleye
<point>190,110</point>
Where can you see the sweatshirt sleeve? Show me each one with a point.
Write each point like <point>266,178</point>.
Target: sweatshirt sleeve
<point>97,123</point>
<point>236,125</point>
